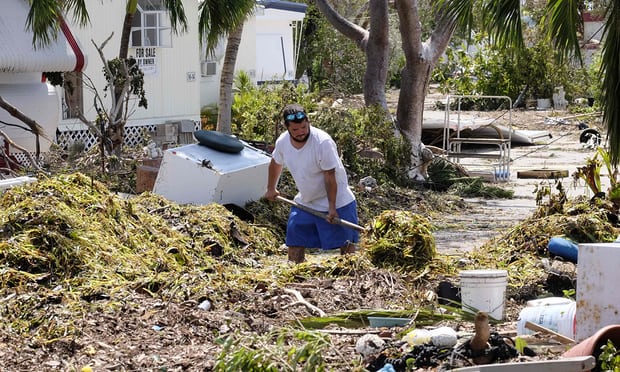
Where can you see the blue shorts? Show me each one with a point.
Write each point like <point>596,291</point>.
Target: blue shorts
<point>309,231</point>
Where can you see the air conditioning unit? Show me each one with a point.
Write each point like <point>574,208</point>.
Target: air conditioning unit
<point>208,68</point>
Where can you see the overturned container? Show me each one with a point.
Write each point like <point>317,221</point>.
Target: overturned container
<point>198,174</point>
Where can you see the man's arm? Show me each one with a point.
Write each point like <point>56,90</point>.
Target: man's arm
<point>331,186</point>
<point>275,170</point>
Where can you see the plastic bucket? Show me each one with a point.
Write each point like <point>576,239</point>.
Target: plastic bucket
<point>557,317</point>
<point>484,290</point>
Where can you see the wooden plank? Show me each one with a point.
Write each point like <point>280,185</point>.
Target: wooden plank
<point>575,364</point>
<point>542,173</point>
<point>560,337</point>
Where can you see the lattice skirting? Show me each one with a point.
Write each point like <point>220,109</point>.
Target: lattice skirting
<point>138,135</point>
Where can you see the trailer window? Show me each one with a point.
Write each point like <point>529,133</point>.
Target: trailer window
<point>151,25</point>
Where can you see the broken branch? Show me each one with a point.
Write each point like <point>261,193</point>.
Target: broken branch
<point>302,301</point>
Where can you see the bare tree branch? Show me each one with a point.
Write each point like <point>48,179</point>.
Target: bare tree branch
<point>35,128</point>
<point>32,160</point>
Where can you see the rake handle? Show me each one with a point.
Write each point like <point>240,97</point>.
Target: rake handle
<point>314,212</point>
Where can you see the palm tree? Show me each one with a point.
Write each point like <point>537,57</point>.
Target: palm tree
<point>219,18</point>
<point>502,20</point>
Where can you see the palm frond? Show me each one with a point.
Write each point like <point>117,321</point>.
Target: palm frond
<point>502,19</point>
<point>78,10</point>
<point>562,21</point>
<point>43,21</point>
<point>218,18</point>
<point>610,75</point>
<point>178,20</point>
<point>461,11</point>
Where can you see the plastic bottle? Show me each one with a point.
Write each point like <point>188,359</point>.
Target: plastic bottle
<point>441,337</point>
<point>418,337</point>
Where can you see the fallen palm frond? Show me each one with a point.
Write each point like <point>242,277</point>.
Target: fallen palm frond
<point>477,187</point>
<point>401,240</point>
<point>359,318</point>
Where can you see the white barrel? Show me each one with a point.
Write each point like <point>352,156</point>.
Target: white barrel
<point>484,290</point>
<point>557,317</point>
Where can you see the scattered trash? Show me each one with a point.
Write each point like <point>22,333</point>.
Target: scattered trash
<point>590,138</point>
<point>563,248</point>
<point>440,337</point>
<point>369,344</point>
<point>443,337</point>
<point>379,321</point>
<point>484,290</point>
<point>205,305</point>
<point>558,316</point>
<point>448,293</point>
<point>418,336</point>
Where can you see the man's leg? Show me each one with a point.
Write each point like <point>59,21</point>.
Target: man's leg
<point>296,254</point>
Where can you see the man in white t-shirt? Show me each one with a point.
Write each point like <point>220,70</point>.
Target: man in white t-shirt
<point>311,157</point>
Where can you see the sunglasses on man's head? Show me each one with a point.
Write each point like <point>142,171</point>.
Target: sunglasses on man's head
<point>297,117</point>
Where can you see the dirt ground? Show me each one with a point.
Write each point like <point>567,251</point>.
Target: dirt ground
<point>149,333</point>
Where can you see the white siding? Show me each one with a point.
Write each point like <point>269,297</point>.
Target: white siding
<point>266,51</point>
<point>169,93</point>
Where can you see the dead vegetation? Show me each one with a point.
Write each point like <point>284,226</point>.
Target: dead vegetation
<point>94,279</point>
<point>90,278</point>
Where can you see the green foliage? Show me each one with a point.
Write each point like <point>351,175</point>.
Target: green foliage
<point>549,202</point>
<point>474,186</point>
<point>295,350</point>
<point>609,358</point>
<point>591,175</point>
<point>367,128</point>
<point>332,61</point>
<point>117,78</point>
<point>520,344</point>
<point>400,240</point>
<point>595,83</point>
<point>492,71</point>
<point>208,116</point>
<point>569,293</point>
<point>257,111</point>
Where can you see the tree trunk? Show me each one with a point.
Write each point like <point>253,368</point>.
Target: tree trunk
<point>420,60</point>
<point>224,124</point>
<point>377,55</point>
<point>410,112</point>
<point>116,129</point>
<point>375,44</point>
<point>131,9</point>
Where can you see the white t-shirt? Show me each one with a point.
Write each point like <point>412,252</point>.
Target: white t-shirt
<point>307,165</point>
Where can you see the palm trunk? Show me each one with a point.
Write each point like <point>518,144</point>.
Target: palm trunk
<point>226,81</point>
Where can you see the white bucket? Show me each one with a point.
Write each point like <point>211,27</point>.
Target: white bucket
<point>558,317</point>
<point>484,290</point>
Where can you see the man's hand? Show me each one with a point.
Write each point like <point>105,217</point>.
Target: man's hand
<point>271,195</point>
<point>332,215</point>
